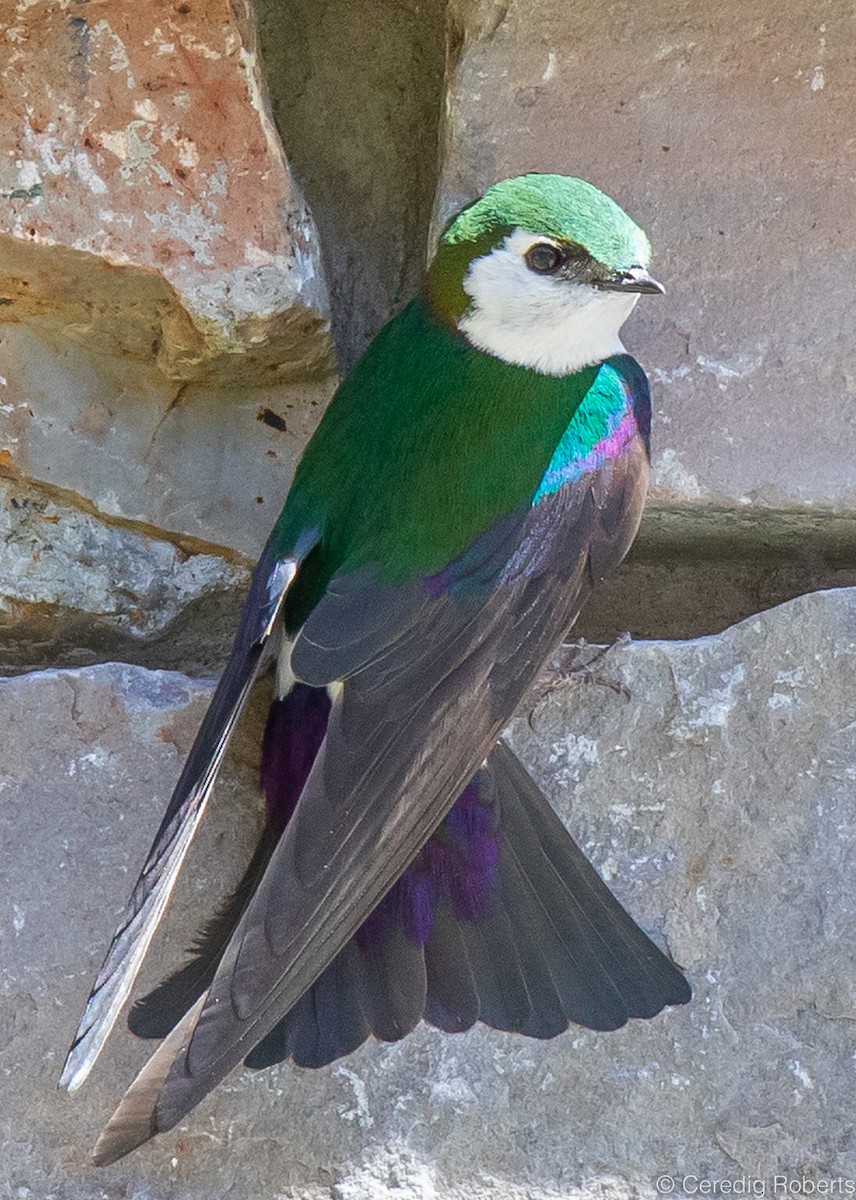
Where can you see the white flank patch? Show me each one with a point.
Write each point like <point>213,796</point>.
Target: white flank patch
<point>539,321</point>
<point>285,678</point>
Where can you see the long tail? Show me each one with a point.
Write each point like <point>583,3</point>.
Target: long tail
<point>499,919</point>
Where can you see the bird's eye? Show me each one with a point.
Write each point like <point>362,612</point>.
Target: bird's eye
<point>544,258</point>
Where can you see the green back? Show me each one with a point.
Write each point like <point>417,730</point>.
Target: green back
<point>425,445</point>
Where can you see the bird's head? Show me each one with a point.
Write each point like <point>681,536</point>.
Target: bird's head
<point>541,271</point>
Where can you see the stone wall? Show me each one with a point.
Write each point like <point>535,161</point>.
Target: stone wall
<point>204,207</point>
<point>164,321</point>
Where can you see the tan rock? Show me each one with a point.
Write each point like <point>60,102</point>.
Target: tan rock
<point>164,342</point>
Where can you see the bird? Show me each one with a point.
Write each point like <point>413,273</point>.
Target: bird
<point>478,472</point>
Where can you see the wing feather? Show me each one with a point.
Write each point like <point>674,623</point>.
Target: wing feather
<point>153,889</point>
<point>412,725</point>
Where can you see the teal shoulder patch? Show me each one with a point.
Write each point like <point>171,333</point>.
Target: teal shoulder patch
<point>615,409</point>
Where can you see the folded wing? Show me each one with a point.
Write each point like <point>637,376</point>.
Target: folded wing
<point>152,891</point>
<point>432,671</point>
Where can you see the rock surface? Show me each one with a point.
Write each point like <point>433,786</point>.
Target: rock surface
<point>75,587</point>
<point>164,325</point>
<point>146,195</point>
<point>208,461</point>
<point>164,342</point>
<point>714,792</point>
<point>164,355</point>
<point>357,104</point>
<point>723,130</point>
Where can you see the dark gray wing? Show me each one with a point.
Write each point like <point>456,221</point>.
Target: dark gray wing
<point>153,888</point>
<point>433,669</point>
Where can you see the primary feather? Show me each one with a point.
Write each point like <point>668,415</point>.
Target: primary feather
<point>153,889</point>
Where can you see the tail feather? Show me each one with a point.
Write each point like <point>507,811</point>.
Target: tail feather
<point>499,919</point>
<point>310,1038</point>
<point>536,952</point>
<point>452,1002</point>
<point>605,969</point>
<point>393,986</point>
<point>602,941</point>
<point>503,994</point>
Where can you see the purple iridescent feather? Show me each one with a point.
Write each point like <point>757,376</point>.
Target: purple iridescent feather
<point>293,735</point>
<point>456,866</point>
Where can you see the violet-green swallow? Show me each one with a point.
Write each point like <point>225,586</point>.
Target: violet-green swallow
<point>482,467</point>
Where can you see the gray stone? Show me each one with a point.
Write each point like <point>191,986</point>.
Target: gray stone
<point>712,785</point>
<point>72,583</point>
<point>210,460</point>
<point>126,498</point>
<point>695,571</point>
<point>722,130</point>
<point>357,104</point>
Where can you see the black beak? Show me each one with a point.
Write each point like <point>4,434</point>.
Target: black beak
<point>636,279</point>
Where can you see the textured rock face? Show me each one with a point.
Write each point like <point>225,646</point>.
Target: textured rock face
<point>164,344</point>
<point>358,105</point>
<point>209,461</point>
<point>721,130</point>
<point>142,142</point>
<point>74,587</point>
<point>714,792</point>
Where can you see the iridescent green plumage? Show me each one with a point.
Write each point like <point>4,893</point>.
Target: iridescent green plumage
<point>568,211</point>
<point>557,207</point>
<point>426,444</point>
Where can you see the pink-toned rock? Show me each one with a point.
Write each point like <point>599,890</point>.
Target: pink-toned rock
<point>146,195</point>
<point>164,340</point>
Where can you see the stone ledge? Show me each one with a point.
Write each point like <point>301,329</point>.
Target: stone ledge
<point>697,568</point>
<point>252,326</point>
<point>195,460</point>
<point>715,794</point>
<point>77,585</point>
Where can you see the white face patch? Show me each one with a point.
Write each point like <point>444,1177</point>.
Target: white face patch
<point>539,321</point>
